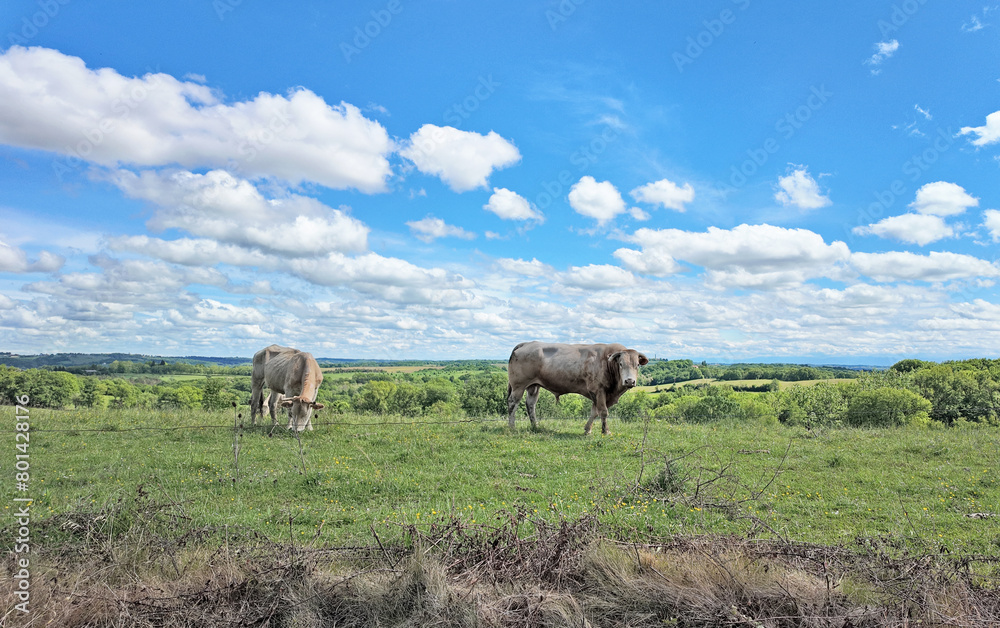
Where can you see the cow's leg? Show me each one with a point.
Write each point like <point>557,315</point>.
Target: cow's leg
<point>590,421</point>
<point>274,407</point>
<point>513,398</point>
<point>530,400</point>
<point>256,403</point>
<point>602,408</point>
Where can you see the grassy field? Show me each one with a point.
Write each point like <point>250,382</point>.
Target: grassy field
<point>926,490</point>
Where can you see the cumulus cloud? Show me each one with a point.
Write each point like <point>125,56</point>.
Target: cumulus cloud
<point>511,206</point>
<point>991,220</point>
<point>193,251</point>
<point>935,266</point>
<point>534,268</point>
<point>798,188</point>
<point>15,260</point>
<point>943,199</point>
<point>52,101</point>
<point>989,133</point>
<point>597,277</point>
<point>464,160</point>
<point>600,201</point>
<point>739,256</point>
<point>883,50</point>
<point>431,228</point>
<point>665,193</point>
<point>919,229</point>
<point>222,207</point>
<point>388,278</point>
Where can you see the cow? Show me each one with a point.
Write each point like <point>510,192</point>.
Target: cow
<point>599,372</point>
<point>271,404</point>
<point>293,378</point>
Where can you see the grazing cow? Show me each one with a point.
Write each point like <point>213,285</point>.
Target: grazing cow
<point>293,377</point>
<point>601,373</point>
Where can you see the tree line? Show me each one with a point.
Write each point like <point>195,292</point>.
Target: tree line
<point>911,392</point>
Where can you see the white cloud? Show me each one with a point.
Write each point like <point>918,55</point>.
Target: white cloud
<point>222,207</point>
<point>462,159</point>
<point>15,260</point>
<point>974,24</point>
<point>53,102</point>
<point>912,228</point>
<point>935,266</point>
<point>534,268</point>
<point>989,133</point>
<point>943,199</point>
<point>511,206</point>
<point>665,193</point>
<point>597,277</point>
<point>193,251</point>
<point>991,220</point>
<point>744,255</point>
<point>798,188</point>
<point>600,201</point>
<point>883,50</point>
<point>924,112</point>
<point>431,228</point>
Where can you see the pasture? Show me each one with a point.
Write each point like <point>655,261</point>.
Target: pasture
<point>154,517</point>
<point>928,490</point>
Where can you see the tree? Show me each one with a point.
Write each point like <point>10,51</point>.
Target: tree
<point>184,396</point>
<point>91,393</point>
<point>374,396</point>
<point>215,395</point>
<point>485,394</point>
<point>886,407</point>
<point>123,393</point>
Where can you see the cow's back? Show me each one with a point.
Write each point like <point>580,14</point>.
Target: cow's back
<point>560,368</point>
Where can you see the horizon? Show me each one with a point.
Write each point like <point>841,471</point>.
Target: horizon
<point>386,180</point>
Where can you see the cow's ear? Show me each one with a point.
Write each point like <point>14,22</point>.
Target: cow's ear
<point>643,360</point>
<point>614,357</point>
<point>317,406</point>
<point>287,402</point>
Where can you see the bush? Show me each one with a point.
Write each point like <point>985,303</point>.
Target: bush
<point>485,394</point>
<point>887,407</point>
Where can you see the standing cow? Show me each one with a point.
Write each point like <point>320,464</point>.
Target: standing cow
<point>601,373</point>
<point>293,378</point>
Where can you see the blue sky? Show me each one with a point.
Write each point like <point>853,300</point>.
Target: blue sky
<point>725,180</point>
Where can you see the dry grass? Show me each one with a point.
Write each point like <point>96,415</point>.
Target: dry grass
<point>134,564</point>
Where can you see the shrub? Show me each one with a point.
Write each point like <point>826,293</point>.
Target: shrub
<point>887,407</point>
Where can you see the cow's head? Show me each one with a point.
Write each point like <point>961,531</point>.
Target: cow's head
<point>301,409</point>
<point>626,363</point>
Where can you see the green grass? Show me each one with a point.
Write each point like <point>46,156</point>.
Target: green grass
<point>835,487</point>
